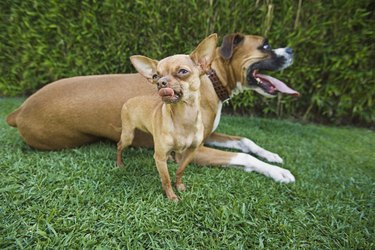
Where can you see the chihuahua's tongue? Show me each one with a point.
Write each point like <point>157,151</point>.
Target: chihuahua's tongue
<point>166,92</point>
<point>279,85</point>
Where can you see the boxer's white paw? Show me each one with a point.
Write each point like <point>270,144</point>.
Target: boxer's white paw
<point>250,147</point>
<point>272,157</point>
<point>276,173</point>
<point>281,175</point>
<point>250,164</point>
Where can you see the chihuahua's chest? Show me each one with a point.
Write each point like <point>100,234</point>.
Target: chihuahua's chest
<point>185,136</point>
<point>183,141</point>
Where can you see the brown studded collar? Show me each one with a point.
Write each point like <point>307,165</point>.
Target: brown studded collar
<point>220,90</point>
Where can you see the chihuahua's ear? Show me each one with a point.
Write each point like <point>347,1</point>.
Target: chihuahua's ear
<point>145,66</point>
<point>204,53</point>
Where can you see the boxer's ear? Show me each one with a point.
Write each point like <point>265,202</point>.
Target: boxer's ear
<point>228,45</point>
<point>204,53</point>
<point>145,66</point>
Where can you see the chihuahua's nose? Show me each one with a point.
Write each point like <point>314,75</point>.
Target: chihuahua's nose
<point>289,50</point>
<point>162,83</point>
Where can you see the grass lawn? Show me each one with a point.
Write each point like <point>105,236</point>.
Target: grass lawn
<point>77,198</point>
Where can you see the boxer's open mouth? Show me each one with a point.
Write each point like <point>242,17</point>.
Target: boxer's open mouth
<point>268,84</point>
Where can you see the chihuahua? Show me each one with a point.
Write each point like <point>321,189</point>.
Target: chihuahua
<point>173,117</point>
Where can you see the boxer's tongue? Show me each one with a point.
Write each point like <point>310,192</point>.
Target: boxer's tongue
<point>166,92</point>
<point>279,85</point>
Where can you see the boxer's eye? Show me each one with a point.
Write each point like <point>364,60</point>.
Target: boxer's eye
<point>266,46</point>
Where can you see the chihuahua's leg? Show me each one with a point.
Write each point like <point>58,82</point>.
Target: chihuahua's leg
<point>243,144</point>
<point>127,136</point>
<point>210,157</point>
<point>125,141</point>
<point>187,157</point>
<point>161,165</point>
<point>120,148</point>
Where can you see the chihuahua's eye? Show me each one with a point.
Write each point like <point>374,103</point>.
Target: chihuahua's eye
<point>155,77</point>
<point>183,72</point>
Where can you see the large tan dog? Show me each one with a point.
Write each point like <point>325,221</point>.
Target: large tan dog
<point>175,120</point>
<point>79,110</point>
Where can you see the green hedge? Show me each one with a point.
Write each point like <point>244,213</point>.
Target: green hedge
<point>42,41</point>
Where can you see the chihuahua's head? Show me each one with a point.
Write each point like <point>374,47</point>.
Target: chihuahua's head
<point>178,77</point>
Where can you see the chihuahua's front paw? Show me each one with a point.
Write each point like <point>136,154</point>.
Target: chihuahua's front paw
<point>181,187</point>
<point>173,198</point>
<point>171,195</point>
<point>120,164</point>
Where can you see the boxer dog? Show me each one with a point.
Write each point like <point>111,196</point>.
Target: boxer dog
<point>79,110</point>
<point>175,120</point>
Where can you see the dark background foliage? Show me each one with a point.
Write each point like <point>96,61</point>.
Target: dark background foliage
<point>42,41</point>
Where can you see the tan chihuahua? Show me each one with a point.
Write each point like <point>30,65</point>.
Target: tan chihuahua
<point>175,119</point>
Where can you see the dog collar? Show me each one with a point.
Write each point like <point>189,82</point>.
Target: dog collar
<point>220,90</point>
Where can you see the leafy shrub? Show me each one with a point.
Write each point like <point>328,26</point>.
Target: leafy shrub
<point>42,41</point>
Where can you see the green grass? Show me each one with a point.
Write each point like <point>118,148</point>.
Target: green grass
<point>77,198</point>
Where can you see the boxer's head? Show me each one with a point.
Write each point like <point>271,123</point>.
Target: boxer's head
<point>249,56</point>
